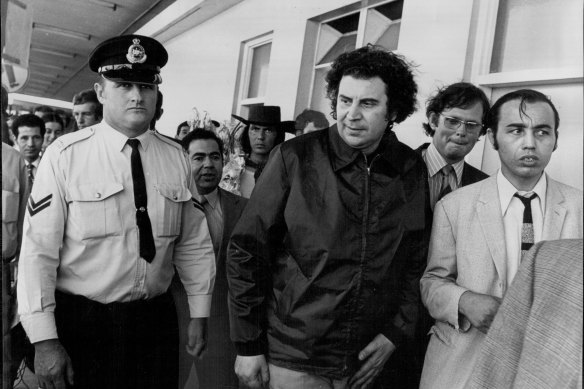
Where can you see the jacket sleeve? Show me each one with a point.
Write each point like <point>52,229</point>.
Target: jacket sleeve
<point>255,239</point>
<point>440,292</point>
<point>413,251</point>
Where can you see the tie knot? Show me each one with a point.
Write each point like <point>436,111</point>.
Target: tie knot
<point>526,198</point>
<point>133,143</point>
<point>447,170</point>
<point>29,167</point>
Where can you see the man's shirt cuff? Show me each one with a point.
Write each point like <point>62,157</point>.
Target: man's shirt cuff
<point>39,326</point>
<point>200,305</point>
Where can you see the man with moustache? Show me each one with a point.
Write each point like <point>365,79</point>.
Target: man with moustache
<point>110,218</point>
<point>480,233</point>
<point>222,210</point>
<point>324,264</point>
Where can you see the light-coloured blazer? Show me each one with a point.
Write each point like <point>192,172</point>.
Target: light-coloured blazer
<point>467,252</point>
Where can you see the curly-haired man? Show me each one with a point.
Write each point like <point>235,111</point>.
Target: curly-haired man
<point>324,263</point>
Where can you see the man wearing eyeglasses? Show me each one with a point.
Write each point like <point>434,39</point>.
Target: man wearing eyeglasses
<point>481,232</point>
<point>455,123</point>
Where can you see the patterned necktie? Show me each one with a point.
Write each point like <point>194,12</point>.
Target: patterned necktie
<point>448,181</point>
<point>147,248</point>
<point>29,169</point>
<point>527,237</point>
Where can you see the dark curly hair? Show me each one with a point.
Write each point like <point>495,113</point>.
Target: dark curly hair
<point>457,95</point>
<point>374,61</point>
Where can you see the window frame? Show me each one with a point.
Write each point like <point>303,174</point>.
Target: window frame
<point>245,71</point>
<point>362,10</point>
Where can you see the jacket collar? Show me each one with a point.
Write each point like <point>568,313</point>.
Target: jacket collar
<point>399,156</point>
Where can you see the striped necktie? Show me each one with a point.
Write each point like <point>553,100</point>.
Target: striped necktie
<point>449,182</point>
<point>29,169</point>
<point>527,236</point>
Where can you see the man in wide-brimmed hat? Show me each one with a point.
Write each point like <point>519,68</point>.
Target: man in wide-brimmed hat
<point>262,133</point>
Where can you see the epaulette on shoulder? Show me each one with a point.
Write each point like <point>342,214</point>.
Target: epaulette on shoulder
<point>62,142</point>
<point>167,139</point>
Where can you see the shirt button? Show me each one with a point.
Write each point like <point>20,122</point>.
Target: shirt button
<point>98,195</point>
<point>174,197</point>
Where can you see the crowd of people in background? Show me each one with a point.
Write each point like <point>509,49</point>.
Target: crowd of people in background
<point>287,254</point>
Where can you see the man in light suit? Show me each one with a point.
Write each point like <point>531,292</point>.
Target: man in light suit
<point>479,232</point>
<point>456,115</point>
<point>222,209</point>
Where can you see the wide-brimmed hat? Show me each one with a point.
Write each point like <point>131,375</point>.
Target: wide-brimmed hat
<point>263,115</point>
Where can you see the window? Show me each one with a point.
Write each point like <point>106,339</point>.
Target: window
<point>376,24</point>
<point>538,45</point>
<point>253,75</point>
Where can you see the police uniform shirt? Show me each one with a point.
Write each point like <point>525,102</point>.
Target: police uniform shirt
<point>80,232</point>
<point>13,199</point>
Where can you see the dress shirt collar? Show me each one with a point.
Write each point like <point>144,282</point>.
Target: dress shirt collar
<point>212,198</point>
<point>507,190</point>
<point>34,163</point>
<point>435,162</point>
<point>395,153</point>
<point>117,140</point>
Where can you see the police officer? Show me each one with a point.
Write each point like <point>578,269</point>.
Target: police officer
<point>109,218</point>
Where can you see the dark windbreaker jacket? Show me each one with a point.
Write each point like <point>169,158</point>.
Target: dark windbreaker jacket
<point>328,253</point>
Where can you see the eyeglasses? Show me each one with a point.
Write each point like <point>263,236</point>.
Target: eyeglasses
<point>454,124</point>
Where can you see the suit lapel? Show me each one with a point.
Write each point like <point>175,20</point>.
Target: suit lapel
<point>555,213</point>
<point>491,221</point>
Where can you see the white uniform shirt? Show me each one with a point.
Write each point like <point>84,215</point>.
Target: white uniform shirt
<point>512,212</point>
<point>80,232</point>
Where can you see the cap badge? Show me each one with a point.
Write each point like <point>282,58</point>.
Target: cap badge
<point>136,53</point>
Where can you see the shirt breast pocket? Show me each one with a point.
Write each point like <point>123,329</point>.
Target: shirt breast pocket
<point>169,208</point>
<point>95,209</point>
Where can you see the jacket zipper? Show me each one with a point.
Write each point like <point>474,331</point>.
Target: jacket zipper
<point>363,231</point>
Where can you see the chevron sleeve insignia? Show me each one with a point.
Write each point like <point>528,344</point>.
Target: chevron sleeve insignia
<point>198,205</point>
<point>36,207</point>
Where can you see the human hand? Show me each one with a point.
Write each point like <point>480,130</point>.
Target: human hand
<point>375,354</point>
<point>252,371</point>
<point>52,365</point>
<point>197,336</point>
<point>479,309</point>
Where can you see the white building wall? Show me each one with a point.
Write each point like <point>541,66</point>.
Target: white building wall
<point>440,36</point>
<point>203,62</point>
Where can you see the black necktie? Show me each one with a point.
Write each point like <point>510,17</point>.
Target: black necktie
<point>527,236</point>
<point>147,248</point>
